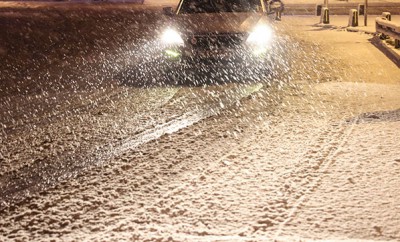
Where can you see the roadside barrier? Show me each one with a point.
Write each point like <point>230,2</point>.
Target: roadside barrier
<point>387,15</point>
<point>325,16</point>
<point>353,18</point>
<point>386,28</point>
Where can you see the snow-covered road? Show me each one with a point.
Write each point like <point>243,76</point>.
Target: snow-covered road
<point>314,158</point>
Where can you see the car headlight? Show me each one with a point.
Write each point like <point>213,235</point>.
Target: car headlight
<point>261,36</point>
<point>171,37</point>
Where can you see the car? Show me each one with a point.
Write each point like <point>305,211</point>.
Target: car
<point>213,39</point>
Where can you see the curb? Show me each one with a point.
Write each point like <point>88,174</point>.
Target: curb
<point>350,29</point>
<point>355,29</point>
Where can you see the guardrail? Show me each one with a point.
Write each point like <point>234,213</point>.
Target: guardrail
<point>388,29</point>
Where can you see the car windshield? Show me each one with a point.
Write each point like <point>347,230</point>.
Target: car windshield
<point>215,6</point>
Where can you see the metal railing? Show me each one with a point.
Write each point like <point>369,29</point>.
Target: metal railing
<point>387,28</point>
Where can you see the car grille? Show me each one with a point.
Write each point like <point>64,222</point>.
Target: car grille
<point>215,41</point>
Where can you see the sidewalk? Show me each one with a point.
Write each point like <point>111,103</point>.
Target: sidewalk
<point>342,22</point>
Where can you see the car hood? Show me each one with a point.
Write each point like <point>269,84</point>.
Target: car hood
<point>205,23</point>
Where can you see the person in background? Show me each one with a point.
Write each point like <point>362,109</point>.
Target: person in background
<point>275,6</point>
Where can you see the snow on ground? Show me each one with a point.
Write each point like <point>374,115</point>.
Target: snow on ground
<point>316,158</point>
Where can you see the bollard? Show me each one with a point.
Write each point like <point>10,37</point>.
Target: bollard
<point>387,15</point>
<point>361,9</point>
<point>325,16</point>
<point>353,18</point>
<point>318,10</point>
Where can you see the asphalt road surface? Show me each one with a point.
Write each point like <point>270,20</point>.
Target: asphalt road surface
<point>309,153</point>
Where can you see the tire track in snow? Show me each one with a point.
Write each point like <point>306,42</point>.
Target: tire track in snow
<point>81,128</point>
<point>38,174</point>
<point>325,159</point>
<point>18,185</point>
<point>222,166</point>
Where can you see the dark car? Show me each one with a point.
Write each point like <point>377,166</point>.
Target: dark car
<point>218,38</point>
